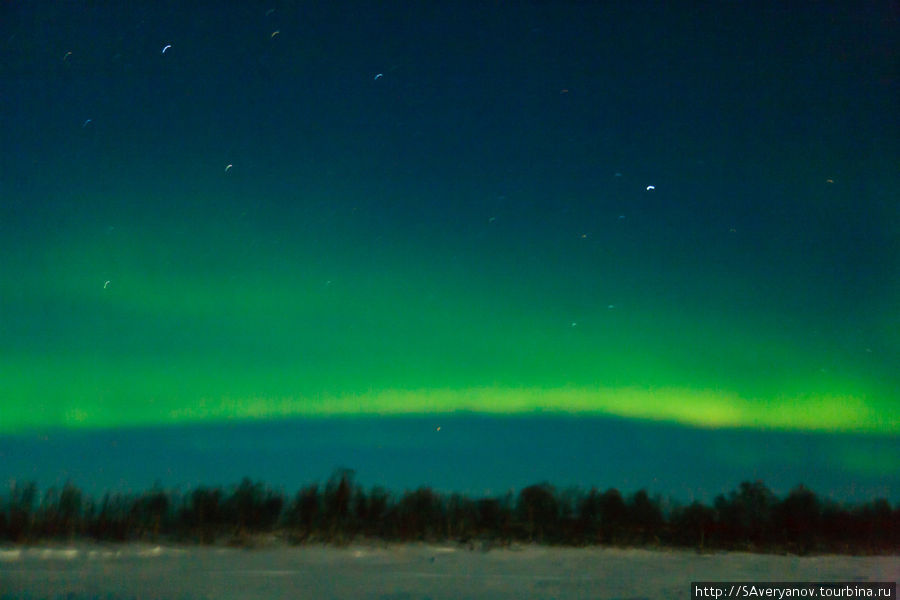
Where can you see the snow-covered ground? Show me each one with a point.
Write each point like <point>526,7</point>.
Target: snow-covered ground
<point>402,572</point>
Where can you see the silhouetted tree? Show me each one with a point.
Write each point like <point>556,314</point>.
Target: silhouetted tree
<point>538,511</point>
<point>60,512</point>
<point>746,515</point>
<point>873,522</point>
<point>894,535</point>
<point>46,519</point>
<point>70,505</point>
<point>303,514</point>
<point>797,518</point>
<point>203,513</point>
<point>420,515</point>
<point>613,516</point>
<point>253,508</point>
<point>645,518</point>
<point>838,526</point>
<point>151,511</point>
<point>494,518</point>
<point>336,504</point>
<point>115,519</point>
<point>21,510</point>
<point>462,518</point>
<point>378,508</point>
<point>568,524</point>
<point>589,514</point>
<point>692,526</point>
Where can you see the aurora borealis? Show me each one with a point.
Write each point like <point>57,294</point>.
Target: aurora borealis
<point>188,328</point>
<point>415,210</point>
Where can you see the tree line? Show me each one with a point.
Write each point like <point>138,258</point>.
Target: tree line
<point>749,518</point>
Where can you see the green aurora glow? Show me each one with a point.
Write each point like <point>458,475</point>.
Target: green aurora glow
<point>252,335</point>
<point>471,231</point>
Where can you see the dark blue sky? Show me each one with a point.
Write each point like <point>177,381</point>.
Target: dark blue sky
<point>681,216</point>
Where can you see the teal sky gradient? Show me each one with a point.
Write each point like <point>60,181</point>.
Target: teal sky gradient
<point>217,318</point>
<point>470,231</point>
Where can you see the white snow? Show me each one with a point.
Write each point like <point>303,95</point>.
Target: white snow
<point>378,571</point>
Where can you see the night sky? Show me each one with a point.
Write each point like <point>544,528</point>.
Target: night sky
<point>237,218</point>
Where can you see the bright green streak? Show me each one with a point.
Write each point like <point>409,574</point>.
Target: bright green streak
<point>143,395</point>
<point>188,330</point>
